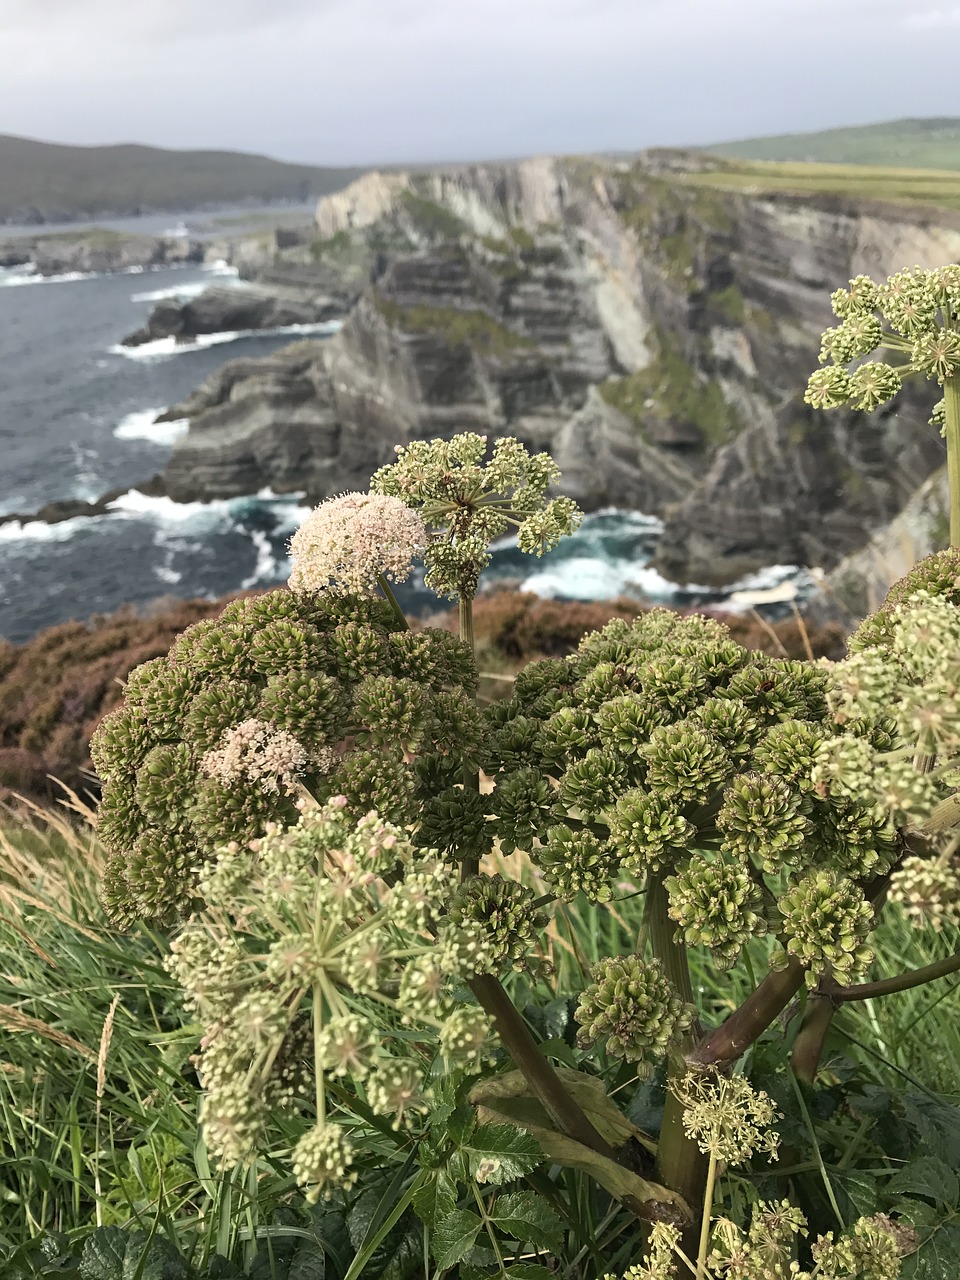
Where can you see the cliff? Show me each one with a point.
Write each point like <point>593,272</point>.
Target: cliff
<point>651,324</point>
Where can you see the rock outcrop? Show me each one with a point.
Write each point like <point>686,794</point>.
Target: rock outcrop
<point>649,329</point>
<point>219,310</point>
<point>98,251</point>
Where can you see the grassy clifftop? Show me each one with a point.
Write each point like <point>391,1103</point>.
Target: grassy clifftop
<point>49,182</point>
<point>912,144</point>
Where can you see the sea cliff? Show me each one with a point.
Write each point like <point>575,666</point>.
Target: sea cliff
<point>649,326</point>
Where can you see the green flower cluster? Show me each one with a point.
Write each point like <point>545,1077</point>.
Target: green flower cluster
<point>468,502</point>
<point>827,921</point>
<point>869,1250</point>
<point>283,691</point>
<point>911,315</point>
<point>661,737</point>
<point>311,960</point>
<point>631,1004</point>
<point>903,676</point>
<point>499,919</point>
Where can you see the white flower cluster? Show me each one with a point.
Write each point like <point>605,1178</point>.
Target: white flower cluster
<point>271,758</point>
<point>314,956</point>
<point>347,543</point>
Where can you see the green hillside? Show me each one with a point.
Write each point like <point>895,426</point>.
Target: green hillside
<point>928,188</point>
<point>912,144</point>
<point>47,182</point>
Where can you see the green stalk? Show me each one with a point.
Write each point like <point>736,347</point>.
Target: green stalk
<point>705,1223</point>
<point>951,395</point>
<point>471,781</point>
<point>681,1165</point>
<point>393,601</point>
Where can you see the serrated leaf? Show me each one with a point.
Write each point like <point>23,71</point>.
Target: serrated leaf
<point>927,1176</point>
<point>110,1253</point>
<point>856,1191</point>
<point>528,1218</point>
<point>436,1199</point>
<point>501,1153</point>
<point>937,1124</point>
<point>937,1258</point>
<point>454,1237</point>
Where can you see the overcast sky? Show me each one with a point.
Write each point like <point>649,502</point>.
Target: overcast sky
<point>362,81</point>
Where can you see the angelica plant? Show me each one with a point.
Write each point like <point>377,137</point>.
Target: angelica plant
<point>297,787</point>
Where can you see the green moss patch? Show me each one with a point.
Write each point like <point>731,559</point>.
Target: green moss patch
<point>474,328</point>
<point>432,218</point>
<point>678,394</point>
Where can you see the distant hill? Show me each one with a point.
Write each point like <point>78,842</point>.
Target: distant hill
<point>48,182</point>
<point>911,144</point>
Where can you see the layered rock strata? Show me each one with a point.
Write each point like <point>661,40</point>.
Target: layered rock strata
<point>651,330</point>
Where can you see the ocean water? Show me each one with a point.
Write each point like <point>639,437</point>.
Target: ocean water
<point>76,419</point>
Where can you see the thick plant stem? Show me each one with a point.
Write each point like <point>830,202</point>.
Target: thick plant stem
<point>902,982</point>
<point>732,1038</point>
<point>681,1165</point>
<point>808,1046</point>
<point>470,865</point>
<point>563,1109</point>
<point>951,395</point>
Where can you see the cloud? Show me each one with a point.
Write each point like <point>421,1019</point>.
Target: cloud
<point>363,81</point>
<point>933,18</point>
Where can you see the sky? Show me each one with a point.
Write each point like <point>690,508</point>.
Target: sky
<point>393,81</point>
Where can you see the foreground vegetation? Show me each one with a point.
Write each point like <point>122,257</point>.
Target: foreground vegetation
<point>99,1100</point>
<point>614,975</point>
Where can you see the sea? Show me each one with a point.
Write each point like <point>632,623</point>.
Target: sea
<point>77,414</point>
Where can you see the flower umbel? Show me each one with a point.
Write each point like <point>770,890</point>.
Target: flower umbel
<point>347,543</point>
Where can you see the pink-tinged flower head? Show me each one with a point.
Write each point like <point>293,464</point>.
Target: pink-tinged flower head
<point>346,543</point>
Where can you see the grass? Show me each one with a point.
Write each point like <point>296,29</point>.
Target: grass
<point>98,1101</point>
<point>934,144</point>
<point>922,188</point>
<point>472,327</point>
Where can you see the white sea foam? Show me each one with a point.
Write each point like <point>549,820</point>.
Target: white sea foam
<point>162,348</point>
<point>40,531</point>
<point>20,276</point>
<point>184,292</point>
<point>140,425</point>
<point>220,267</point>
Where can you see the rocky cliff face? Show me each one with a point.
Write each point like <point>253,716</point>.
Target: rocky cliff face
<point>650,330</point>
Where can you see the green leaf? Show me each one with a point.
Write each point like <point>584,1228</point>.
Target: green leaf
<point>937,1258</point>
<point>937,1124</point>
<point>927,1176</point>
<point>110,1253</point>
<point>529,1219</point>
<point>856,1192</point>
<point>501,1153</point>
<point>436,1199</point>
<point>492,1103</point>
<point>454,1237</point>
